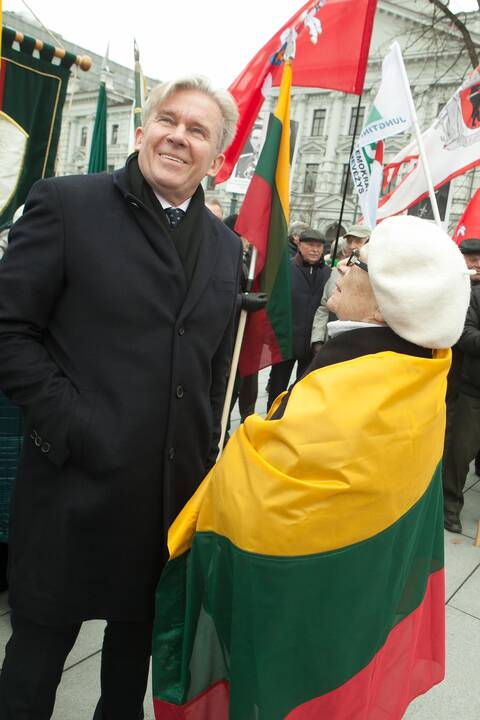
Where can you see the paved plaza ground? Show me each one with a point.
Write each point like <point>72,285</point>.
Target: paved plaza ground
<point>457,698</point>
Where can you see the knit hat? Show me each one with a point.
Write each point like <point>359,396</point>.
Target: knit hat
<point>358,231</point>
<point>420,280</point>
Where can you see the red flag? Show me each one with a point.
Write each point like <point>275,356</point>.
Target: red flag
<point>469,224</point>
<point>337,61</point>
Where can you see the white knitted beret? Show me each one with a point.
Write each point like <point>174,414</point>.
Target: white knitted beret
<point>420,281</point>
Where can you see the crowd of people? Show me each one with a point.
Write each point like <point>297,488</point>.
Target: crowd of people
<point>119,298</point>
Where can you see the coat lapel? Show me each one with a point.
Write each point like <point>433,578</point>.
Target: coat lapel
<point>206,262</point>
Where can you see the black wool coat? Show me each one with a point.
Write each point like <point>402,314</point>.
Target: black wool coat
<point>308,282</point>
<point>120,369</point>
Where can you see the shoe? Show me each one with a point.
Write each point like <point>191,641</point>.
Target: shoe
<point>451,522</point>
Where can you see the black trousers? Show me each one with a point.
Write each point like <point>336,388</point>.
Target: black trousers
<point>34,660</point>
<point>280,376</point>
<point>461,446</point>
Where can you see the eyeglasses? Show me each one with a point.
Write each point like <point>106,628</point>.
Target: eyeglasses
<point>355,260</point>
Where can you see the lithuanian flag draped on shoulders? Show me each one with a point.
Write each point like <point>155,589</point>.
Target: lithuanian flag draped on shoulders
<point>305,579</point>
<point>263,220</point>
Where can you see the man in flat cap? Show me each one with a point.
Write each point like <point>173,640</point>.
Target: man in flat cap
<point>462,439</point>
<point>309,273</point>
<point>117,301</point>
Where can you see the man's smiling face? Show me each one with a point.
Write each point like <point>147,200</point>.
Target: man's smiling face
<point>179,144</point>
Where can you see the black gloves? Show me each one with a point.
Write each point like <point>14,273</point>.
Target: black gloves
<point>251,302</point>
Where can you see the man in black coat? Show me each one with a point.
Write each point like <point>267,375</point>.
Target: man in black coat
<point>117,298</point>
<point>462,439</point>
<point>308,277</point>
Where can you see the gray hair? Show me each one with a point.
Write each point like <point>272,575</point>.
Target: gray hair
<point>297,227</point>
<point>223,99</point>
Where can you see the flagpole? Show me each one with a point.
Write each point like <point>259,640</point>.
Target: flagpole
<point>236,354</point>
<point>448,209</point>
<point>334,254</point>
<point>418,135</point>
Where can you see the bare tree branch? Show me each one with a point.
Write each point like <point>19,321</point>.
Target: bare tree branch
<point>462,28</point>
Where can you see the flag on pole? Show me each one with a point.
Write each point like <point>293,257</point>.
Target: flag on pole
<point>98,149</point>
<point>337,62</point>
<point>469,224</point>
<point>306,578</point>
<point>139,89</point>
<point>452,147</point>
<point>263,220</point>
<point>32,95</point>
<point>389,115</point>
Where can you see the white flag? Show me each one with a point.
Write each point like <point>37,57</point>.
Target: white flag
<point>390,114</point>
<point>452,146</point>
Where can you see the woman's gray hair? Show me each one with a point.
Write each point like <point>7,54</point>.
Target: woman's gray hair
<point>223,98</point>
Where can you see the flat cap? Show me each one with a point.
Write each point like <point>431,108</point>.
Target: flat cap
<point>311,235</point>
<point>470,246</point>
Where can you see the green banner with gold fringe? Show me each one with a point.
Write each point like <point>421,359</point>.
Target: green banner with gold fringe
<point>33,86</point>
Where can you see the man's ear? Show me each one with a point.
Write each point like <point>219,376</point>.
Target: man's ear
<point>216,165</point>
<point>138,137</point>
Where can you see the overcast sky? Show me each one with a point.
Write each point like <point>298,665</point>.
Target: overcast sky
<point>213,37</point>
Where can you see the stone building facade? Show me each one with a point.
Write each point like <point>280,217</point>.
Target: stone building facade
<point>325,120</point>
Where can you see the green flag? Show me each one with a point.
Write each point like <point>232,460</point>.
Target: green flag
<point>98,150</point>
<point>32,93</point>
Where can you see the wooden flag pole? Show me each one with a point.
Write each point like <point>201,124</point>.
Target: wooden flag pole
<point>418,135</point>
<point>236,355</point>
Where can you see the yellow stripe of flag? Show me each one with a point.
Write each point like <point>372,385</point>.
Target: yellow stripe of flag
<point>356,449</point>
<point>282,112</point>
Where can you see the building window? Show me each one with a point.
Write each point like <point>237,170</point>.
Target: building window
<point>318,124</point>
<point>346,178</point>
<point>110,168</point>
<point>440,107</point>
<point>311,173</point>
<point>353,116</point>
<point>210,182</point>
<point>83,136</point>
<point>114,135</point>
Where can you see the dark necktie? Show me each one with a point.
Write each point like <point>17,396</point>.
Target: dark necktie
<point>175,216</point>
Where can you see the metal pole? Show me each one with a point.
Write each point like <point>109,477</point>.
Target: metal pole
<point>449,206</point>
<point>418,135</point>
<point>334,254</point>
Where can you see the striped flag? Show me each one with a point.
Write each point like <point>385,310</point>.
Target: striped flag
<point>263,220</point>
<point>337,60</point>
<point>306,574</point>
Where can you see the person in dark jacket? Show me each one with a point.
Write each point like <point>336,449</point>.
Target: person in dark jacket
<point>463,436</point>
<point>308,277</point>
<point>117,302</point>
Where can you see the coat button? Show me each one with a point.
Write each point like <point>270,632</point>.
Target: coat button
<point>33,435</point>
<point>179,391</point>
<point>181,330</point>
<point>45,447</point>
<point>171,454</point>
<point>38,441</point>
